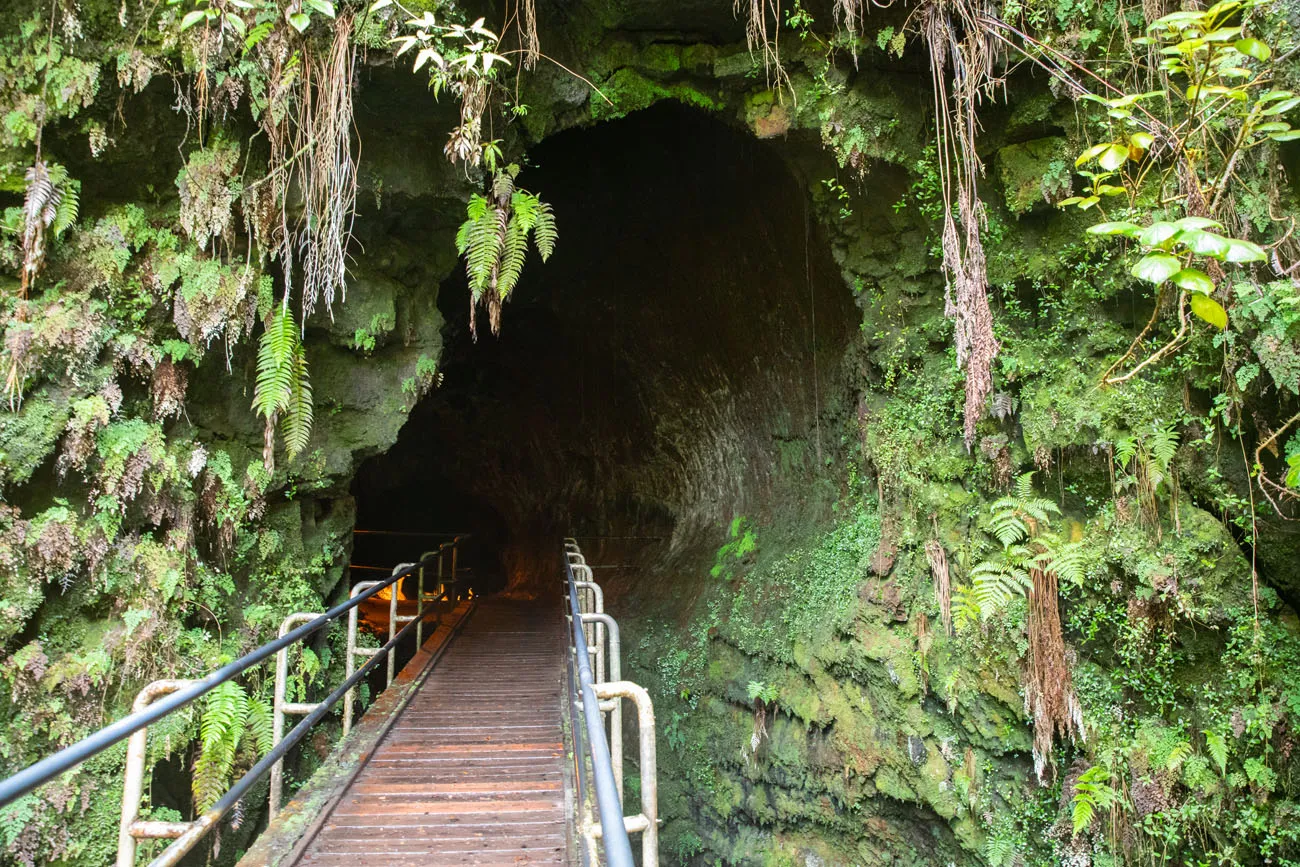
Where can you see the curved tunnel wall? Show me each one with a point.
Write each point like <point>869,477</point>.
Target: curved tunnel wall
<point>676,355</point>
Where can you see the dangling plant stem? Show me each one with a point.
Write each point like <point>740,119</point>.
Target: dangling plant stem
<point>968,60</point>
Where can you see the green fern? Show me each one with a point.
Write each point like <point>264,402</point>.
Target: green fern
<point>283,390</point>
<point>225,715</point>
<point>1218,747</point>
<point>494,238</point>
<point>261,725</point>
<point>1093,792</point>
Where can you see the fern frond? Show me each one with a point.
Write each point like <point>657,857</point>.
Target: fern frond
<point>1218,747</point>
<point>1006,524</point>
<point>482,251</point>
<point>1164,445</point>
<point>275,363</point>
<point>503,186</point>
<point>545,234</point>
<point>965,609</point>
<point>516,252</point>
<point>1025,486</point>
<point>65,213</point>
<point>225,714</point>
<point>1067,561</point>
<point>298,414</point>
<point>474,211</point>
<point>1083,812</point>
<point>260,725</point>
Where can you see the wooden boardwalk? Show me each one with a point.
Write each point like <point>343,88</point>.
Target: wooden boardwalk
<point>473,772</point>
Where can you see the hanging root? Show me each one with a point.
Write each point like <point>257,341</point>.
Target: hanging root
<point>329,180</point>
<point>942,582</point>
<point>1050,699</point>
<point>762,37</point>
<point>968,59</point>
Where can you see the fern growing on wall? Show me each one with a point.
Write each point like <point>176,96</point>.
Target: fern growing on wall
<point>283,392</point>
<point>494,241</point>
<point>1031,563</point>
<point>231,719</point>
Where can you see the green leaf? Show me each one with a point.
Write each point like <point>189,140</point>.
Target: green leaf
<point>1091,153</point>
<point>1253,48</point>
<point>1158,233</point>
<point>1113,157</point>
<point>1210,310</point>
<point>1289,135</point>
<point>1142,140</point>
<point>1193,280</point>
<point>1130,230</point>
<point>300,21</point>
<point>192,18</point>
<point>1156,268</point>
<point>1281,107</point>
<point>1244,251</point>
<point>236,24</point>
<point>1204,243</point>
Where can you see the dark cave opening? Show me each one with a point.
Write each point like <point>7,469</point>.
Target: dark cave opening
<point>680,350</point>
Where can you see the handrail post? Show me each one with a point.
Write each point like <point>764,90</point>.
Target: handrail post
<point>393,619</point>
<point>647,821</point>
<point>133,784</point>
<point>279,707</point>
<point>349,665</point>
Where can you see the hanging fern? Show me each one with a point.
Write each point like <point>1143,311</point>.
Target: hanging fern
<point>50,206</point>
<point>494,241</point>
<point>283,391</point>
<point>225,716</point>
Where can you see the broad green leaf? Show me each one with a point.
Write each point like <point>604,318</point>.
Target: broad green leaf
<point>1290,135</point>
<point>1194,280</point>
<point>236,24</point>
<point>1113,157</point>
<point>1244,251</point>
<point>1253,48</point>
<point>1131,230</point>
<point>1223,34</point>
<point>1088,202</point>
<point>1210,310</point>
<point>192,18</point>
<point>1223,7</point>
<point>300,21</point>
<point>1091,153</point>
<point>1142,140</point>
<point>1110,190</point>
<point>1156,268</point>
<point>1275,95</point>
<point>1281,107</point>
<point>380,4</point>
<point>1158,233</point>
<point>1174,19</point>
<point>1273,126</point>
<point>1204,243</point>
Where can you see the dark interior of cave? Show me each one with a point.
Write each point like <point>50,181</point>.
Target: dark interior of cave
<point>690,318</point>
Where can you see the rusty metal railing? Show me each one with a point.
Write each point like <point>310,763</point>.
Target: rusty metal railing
<point>161,698</point>
<point>593,697</point>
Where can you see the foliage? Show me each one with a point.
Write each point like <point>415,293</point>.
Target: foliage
<point>741,542</point>
<point>231,719</point>
<point>283,393</point>
<point>494,241</point>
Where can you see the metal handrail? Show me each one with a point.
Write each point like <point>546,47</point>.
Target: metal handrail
<point>178,694</point>
<point>618,848</point>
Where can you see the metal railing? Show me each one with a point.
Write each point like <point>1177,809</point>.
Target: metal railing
<point>591,698</point>
<point>161,698</point>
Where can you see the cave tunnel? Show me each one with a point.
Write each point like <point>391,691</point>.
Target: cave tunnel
<point>690,322</point>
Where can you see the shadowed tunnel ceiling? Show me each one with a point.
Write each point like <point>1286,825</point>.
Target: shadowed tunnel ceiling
<point>649,378</point>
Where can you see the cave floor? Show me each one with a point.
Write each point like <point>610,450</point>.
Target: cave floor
<point>473,771</point>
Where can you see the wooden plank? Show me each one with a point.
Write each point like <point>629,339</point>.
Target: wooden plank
<point>474,770</point>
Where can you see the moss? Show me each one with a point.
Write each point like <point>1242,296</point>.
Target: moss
<point>631,91</point>
<point>1035,173</point>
